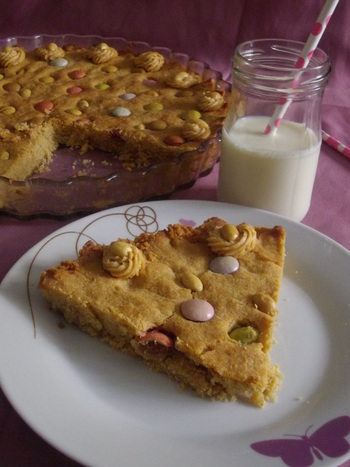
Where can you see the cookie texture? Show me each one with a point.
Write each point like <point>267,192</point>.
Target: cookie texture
<point>142,107</point>
<point>160,298</point>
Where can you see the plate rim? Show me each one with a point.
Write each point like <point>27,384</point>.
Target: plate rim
<point>189,204</point>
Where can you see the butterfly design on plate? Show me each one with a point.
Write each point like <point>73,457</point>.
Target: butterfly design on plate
<point>328,440</point>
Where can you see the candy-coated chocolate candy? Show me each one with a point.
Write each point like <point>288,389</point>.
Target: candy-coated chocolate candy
<point>74,90</point>
<point>110,69</point>
<point>174,140</point>
<point>157,125</point>
<point>197,310</point>
<point>102,86</point>
<point>190,115</point>
<point>8,110</point>
<point>77,74</point>
<point>152,92</point>
<point>62,62</point>
<point>47,79</point>
<point>224,265</point>
<point>128,96</point>
<point>150,82</point>
<point>120,112</point>
<point>157,337</point>
<point>74,111</point>
<point>4,156</point>
<point>44,106</point>
<point>12,87</point>
<point>153,107</point>
<point>26,92</point>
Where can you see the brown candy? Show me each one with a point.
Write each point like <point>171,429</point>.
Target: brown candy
<point>12,87</point>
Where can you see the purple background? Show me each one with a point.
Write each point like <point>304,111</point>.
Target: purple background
<point>209,31</point>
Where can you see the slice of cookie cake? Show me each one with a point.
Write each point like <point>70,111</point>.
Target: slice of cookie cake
<point>198,304</point>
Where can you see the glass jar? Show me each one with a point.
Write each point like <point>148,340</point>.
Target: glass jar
<point>272,133</point>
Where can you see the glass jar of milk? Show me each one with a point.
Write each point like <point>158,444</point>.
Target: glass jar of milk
<point>274,171</point>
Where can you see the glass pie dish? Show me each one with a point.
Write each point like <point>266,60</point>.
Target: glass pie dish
<point>77,183</point>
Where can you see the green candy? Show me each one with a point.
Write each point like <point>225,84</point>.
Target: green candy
<point>244,334</point>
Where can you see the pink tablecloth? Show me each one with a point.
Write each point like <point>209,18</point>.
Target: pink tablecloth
<point>208,31</point>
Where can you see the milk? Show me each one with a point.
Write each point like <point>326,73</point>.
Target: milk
<point>275,172</point>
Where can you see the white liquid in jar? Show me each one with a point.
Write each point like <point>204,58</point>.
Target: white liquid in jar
<point>275,172</point>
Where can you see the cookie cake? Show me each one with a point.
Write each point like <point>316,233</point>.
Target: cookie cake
<point>198,304</point>
<point>140,106</point>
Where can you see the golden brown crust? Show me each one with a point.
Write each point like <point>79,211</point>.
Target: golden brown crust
<point>142,315</point>
<point>107,103</point>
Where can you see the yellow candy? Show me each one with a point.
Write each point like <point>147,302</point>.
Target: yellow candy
<point>75,111</point>
<point>154,107</point>
<point>157,125</point>
<point>8,110</point>
<point>4,156</point>
<point>140,126</point>
<point>152,93</point>
<point>47,79</point>
<point>191,115</point>
<point>110,69</point>
<point>102,86</point>
<point>26,92</point>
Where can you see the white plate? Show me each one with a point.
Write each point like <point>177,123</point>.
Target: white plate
<point>104,408</point>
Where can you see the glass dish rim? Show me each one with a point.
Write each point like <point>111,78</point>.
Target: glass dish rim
<point>120,43</point>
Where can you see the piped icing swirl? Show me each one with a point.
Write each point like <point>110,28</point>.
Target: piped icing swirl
<point>101,53</point>
<point>123,260</point>
<point>10,56</point>
<point>183,80</point>
<point>211,100</point>
<point>50,52</point>
<point>196,129</point>
<point>150,61</point>
<point>237,245</point>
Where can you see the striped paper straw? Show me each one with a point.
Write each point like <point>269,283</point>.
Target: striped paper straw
<point>334,143</point>
<point>303,61</point>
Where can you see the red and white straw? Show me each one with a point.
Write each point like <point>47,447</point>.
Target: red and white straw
<point>303,61</point>
<point>334,143</point>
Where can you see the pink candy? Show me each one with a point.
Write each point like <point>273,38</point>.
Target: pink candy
<point>197,310</point>
<point>150,82</point>
<point>74,90</point>
<point>128,96</point>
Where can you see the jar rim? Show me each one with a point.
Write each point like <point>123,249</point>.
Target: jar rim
<point>254,52</point>
<point>270,65</point>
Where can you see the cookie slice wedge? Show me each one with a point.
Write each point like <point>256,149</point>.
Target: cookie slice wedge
<point>198,304</point>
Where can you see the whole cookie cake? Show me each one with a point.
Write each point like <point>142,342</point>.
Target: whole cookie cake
<point>143,107</point>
